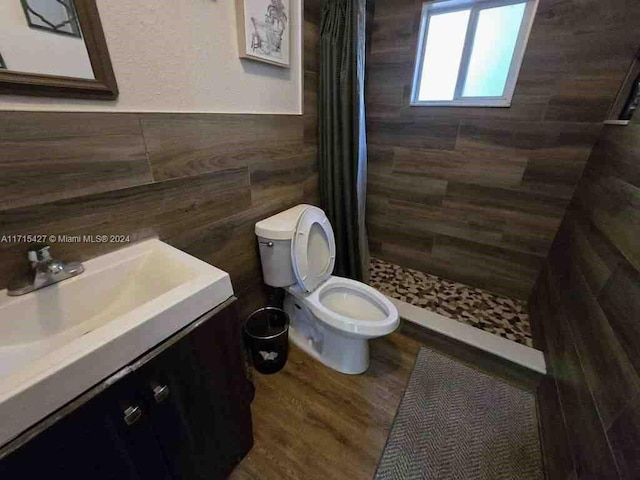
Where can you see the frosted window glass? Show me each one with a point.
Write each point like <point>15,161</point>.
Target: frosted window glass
<point>493,48</point>
<point>441,65</point>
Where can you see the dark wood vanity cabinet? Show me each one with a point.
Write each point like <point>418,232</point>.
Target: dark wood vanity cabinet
<point>181,412</point>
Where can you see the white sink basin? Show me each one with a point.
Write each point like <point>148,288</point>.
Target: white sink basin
<point>57,342</point>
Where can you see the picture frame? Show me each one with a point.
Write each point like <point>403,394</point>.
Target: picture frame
<point>264,31</point>
<point>103,87</point>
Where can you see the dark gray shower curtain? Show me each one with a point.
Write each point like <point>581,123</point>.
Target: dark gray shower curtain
<point>343,155</point>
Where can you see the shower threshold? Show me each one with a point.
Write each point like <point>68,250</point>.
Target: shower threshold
<point>497,324</point>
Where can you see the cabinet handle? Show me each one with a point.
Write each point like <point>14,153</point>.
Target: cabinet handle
<point>132,415</point>
<point>160,393</point>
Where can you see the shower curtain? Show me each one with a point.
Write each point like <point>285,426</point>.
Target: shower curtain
<point>343,144</point>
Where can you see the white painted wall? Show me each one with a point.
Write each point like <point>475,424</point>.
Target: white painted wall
<point>182,56</point>
<point>25,49</point>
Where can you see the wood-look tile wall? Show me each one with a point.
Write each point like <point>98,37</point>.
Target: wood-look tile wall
<point>477,194</point>
<point>585,311</point>
<point>199,182</point>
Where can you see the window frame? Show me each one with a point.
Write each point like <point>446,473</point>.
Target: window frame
<point>449,6</point>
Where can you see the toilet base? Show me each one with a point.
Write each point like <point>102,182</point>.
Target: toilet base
<point>354,360</point>
<point>341,352</point>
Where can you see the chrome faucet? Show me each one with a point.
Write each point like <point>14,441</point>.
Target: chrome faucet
<point>44,271</point>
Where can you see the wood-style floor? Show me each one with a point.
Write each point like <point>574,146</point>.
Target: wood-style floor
<point>311,422</point>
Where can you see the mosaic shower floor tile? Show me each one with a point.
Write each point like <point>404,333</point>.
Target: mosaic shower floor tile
<point>495,314</point>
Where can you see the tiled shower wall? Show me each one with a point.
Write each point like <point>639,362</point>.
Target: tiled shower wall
<point>199,182</point>
<point>477,194</point>
<point>585,312</point>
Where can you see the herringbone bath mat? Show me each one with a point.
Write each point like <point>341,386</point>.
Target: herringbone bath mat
<point>457,423</point>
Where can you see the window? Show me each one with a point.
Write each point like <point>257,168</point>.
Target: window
<point>470,51</point>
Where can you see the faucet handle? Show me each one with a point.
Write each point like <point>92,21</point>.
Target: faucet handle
<point>39,253</point>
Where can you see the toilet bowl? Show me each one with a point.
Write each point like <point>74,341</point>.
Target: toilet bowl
<point>332,318</point>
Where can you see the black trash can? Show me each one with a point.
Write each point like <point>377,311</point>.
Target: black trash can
<point>266,332</point>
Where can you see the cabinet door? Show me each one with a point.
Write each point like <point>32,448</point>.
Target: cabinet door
<point>130,416</point>
<point>93,442</point>
<point>200,414</point>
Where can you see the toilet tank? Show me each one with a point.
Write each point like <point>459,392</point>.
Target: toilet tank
<point>274,236</point>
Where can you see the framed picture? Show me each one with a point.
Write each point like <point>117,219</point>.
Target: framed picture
<point>264,30</point>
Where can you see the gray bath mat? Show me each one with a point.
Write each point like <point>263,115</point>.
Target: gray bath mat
<point>457,423</point>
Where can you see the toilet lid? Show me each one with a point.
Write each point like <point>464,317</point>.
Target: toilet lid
<point>313,249</point>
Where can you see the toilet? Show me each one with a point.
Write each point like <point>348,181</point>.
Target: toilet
<point>332,318</point>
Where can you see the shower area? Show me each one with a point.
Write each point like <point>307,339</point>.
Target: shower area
<point>463,203</point>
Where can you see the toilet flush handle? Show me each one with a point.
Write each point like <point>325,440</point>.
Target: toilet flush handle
<point>267,244</point>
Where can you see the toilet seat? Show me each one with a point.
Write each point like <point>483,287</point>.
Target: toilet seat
<point>313,249</point>
<point>360,295</point>
<point>346,305</point>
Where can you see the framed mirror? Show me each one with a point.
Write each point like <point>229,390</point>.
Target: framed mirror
<point>54,48</point>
